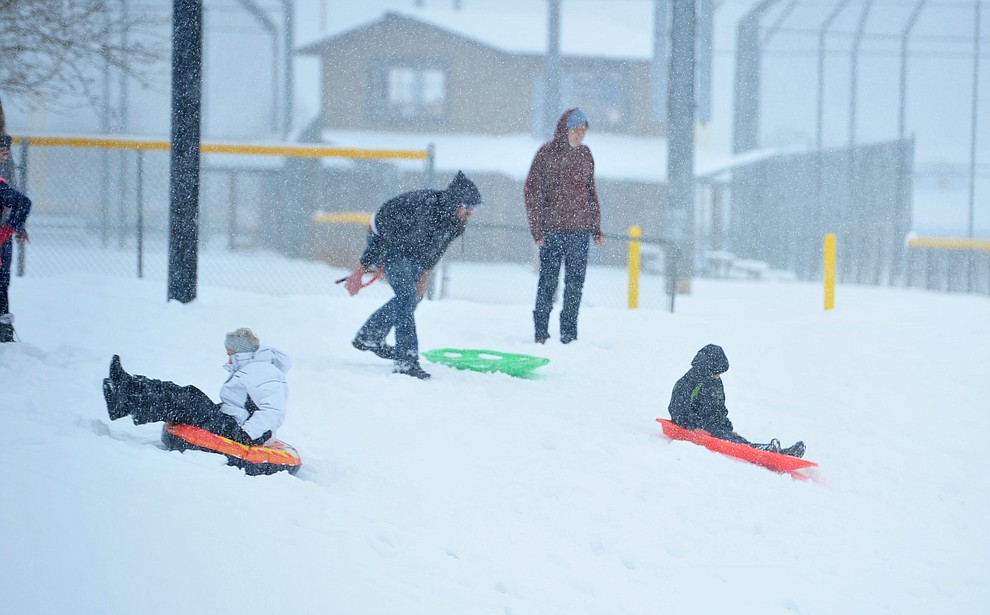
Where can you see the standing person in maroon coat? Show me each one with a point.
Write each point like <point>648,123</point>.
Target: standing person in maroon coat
<point>564,215</point>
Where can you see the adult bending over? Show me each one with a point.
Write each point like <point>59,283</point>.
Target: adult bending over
<point>409,234</point>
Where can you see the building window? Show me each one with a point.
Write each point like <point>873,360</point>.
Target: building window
<point>415,94</point>
<point>601,96</point>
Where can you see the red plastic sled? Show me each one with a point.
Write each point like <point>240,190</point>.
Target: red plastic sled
<point>276,456</point>
<point>772,461</point>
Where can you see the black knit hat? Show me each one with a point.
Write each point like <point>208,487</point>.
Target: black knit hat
<point>711,360</point>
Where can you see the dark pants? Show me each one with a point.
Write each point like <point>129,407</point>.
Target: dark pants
<point>571,250</point>
<point>149,401</point>
<point>6,255</point>
<point>731,437</point>
<point>399,312</point>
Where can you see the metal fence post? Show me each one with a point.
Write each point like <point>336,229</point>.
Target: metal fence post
<point>232,211</point>
<point>22,184</point>
<point>431,163</point>
<point>140,213</point>
<point>634,234</point>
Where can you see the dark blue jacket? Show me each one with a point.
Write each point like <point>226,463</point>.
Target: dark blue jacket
<point>419,224</point>
<point>698,400</point>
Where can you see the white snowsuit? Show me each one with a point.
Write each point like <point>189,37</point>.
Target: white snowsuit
<point>255,392</point>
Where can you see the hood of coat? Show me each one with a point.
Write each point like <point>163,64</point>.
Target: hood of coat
<point>560,132</point>
<point>265,354</point>
<point>462,191</point>
<point>711,360</point>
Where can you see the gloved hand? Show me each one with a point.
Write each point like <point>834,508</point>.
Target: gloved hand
<point>353,283</point>
<point>244,438</point>
<point>260,440</point>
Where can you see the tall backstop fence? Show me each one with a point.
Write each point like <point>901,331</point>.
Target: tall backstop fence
<point>783,206</point>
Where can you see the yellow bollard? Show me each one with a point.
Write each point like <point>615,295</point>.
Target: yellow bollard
<point>829,271</point>
<point>634,234</point>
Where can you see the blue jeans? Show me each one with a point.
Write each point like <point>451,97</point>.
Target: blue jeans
<point>570,249</point>
<point>402,273</point>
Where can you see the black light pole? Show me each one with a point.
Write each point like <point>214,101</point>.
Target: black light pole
<point>972,139</point>
<point>903,203</point>
<point>551,106</point>
<point>187,65</point>
<point>680,148</point>
<point>661,59</point>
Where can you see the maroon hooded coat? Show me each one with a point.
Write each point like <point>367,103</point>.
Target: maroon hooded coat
<point>560,191</point>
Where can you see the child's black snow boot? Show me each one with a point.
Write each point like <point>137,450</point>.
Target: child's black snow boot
<point>794,450</point>
<point>773,446</point>
<point>6,328</point>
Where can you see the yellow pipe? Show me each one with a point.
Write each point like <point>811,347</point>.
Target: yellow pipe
<point>634,234</point>
<point>303,151</point>
<point>950,243</point>
<point>348,217</point>
<point>829,271</point>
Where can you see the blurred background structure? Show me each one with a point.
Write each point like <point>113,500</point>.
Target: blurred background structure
<point>858,117</point>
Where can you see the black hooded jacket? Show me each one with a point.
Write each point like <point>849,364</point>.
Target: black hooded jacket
<point>420,224</point>
<point>698,400</point>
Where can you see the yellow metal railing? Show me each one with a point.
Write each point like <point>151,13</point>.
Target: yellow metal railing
<point>344,217</point>
<point>305,151</point>
<point>950,243</point>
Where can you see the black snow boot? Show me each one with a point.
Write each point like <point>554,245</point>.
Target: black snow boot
<point>115,409</point>
<point>794,450</point>
<point>410,368</point>
<point>772,447</point>
<point>6,328</point>
<point>541,327</point>
<point>381,349</point>
<point>131,394</point>
<point>118,377</point>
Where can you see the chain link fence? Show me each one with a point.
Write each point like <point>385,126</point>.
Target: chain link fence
<point>101,206</point>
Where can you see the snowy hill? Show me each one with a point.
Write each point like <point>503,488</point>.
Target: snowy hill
<point>486,494</point>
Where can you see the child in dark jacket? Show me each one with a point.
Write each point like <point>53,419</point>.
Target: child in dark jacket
<point>698,402</point>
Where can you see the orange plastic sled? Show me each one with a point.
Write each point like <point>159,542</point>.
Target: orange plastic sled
<point>276,456</point>
<point>772,461</point>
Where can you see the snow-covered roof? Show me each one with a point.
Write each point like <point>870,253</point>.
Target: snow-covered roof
<point>585,30</point>
<point>616,156</point>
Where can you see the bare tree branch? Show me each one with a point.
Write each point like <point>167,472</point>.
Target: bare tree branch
<point>54,50</point>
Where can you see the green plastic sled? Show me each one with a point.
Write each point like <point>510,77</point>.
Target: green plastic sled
<point>518,365</point>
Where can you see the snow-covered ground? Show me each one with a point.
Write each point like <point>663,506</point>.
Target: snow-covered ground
<point>475,493</point>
